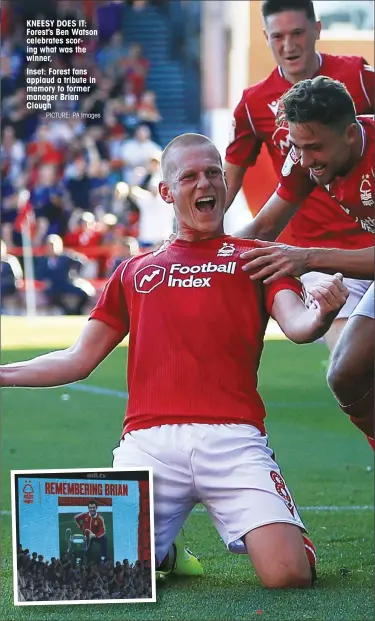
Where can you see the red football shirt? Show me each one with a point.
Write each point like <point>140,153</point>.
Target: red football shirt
<point>319,221</point>
<point>354,193</point>
<point>197,325</point>
<point>95,524</point>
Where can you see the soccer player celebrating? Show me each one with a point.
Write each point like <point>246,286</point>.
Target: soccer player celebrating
<point>92,525</point>
<point>334,150</point>
<point>291,30</point>
<point>197,324</point>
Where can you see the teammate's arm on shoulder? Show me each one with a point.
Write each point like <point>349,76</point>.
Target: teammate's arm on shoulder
<point>351,263</point>
<point>270,220</point>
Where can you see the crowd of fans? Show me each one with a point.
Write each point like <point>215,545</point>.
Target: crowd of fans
<point>93,181</point>
<point>66,579</point>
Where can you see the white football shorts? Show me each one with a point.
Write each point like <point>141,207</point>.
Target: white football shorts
<point>228,468</point>
<point>357,289</point>
<point>366,305</point>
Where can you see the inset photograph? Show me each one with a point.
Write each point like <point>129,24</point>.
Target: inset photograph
<point>83,536</point>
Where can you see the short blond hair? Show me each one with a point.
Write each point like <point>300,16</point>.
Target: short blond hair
<point>184,140</point>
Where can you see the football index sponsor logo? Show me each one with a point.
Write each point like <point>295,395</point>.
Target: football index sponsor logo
<point>178,272</point>
<point>148,278</point>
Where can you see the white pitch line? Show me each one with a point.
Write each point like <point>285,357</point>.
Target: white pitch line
<point>99,390</point>
<point>109,392</point>
<point>317,508</point>
<point>309,508</point>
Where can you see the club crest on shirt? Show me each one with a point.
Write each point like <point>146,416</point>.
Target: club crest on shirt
<point>291,159</point>
<point>227,250</point>
<point>365,191</point>
<point>280,139</point>
<point>28,493</point>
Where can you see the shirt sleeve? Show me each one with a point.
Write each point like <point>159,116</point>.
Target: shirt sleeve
<point>244,146</point>
<point>79,517</point>
<point>101,527</point>
<point>295,183</point>
<point>367,77</point>
<point>287,282</point>
<point>111,307</point>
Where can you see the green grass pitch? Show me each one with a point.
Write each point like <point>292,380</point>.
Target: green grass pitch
<point>325,460</point>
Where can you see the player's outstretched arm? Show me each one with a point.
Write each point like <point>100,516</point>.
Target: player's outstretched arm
<point>270,261</point>
<point>302,324</point>
<point>270,221</point>
<point>96,341</point>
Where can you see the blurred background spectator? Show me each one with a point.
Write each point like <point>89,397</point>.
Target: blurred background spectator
<point>60,272</point>
<point>11,277</point>
<point>93,179</point>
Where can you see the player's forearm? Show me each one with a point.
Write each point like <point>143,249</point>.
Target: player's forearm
<point>54,369</point>
<point>305,327</point>
<point>270,221</point>
<point>258,229</point>
<point>299,323</point>
<point>234,176</point>
<point>351,263</point>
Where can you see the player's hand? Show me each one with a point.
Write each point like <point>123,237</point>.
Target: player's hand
<point>271,260</point>
<point>328,297</point>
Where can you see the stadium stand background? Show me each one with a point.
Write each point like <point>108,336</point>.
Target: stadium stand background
<point>93,182</point>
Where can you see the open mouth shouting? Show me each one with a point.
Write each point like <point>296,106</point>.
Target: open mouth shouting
<point>205,204</point>
<point>292,59</point>
<point>318,171</point>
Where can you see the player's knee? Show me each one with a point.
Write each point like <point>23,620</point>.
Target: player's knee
<point>293,576</point>
<point>337,378</point>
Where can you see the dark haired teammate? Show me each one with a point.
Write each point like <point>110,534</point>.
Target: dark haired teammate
<point>332,149</point>
<point>291,30</point>
<point>91,523</point>
<point>194,414</point>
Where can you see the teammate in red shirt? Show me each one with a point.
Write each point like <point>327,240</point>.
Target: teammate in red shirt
<point>347,177</point>
<point>92,525</point>
<point>196,324</point>
<point>291,30</point>
<point>333,149</point>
